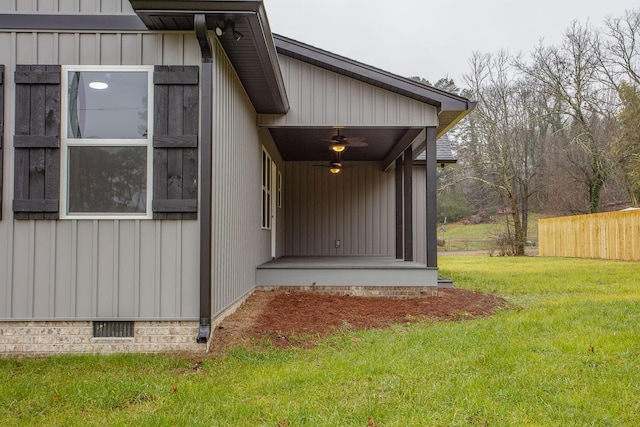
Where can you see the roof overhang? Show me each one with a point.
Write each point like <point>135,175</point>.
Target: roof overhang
<point>451,108</point>
<point>253,57</point>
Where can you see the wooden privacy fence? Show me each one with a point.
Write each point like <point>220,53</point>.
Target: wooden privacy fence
<point>611,235</point>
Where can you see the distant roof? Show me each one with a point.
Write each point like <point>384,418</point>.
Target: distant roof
<point>443,152</point>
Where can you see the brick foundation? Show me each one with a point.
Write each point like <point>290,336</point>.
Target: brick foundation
<point>53,337</point>
<point>401,292</point>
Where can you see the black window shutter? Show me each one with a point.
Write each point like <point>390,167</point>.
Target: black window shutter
<point>175,142</point>
<point>37,142</point>
<point>1,129</point>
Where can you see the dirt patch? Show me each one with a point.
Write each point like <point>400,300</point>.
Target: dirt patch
<point>298,319</point>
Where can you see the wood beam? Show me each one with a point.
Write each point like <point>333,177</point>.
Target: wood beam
<point>408,204</point>
<point>405,141</point>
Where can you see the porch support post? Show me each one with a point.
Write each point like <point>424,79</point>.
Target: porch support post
<point>206,141</point>
<point>431,166</point>
<point>408,204</point>
<point>399,222</point>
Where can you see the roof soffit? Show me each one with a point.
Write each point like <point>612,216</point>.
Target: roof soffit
<point>253,57</point>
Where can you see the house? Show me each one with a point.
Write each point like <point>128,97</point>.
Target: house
<point>162,159</point>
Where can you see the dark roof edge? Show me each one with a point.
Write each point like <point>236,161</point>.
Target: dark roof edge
<point>199,6</point>
<point>442,130</point>
<point>277,86</point>
<point>372,75</point>
<point>254,10</point>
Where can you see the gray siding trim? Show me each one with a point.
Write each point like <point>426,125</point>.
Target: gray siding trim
<point>58,22</point>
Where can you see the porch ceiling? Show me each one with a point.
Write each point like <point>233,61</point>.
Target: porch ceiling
<point>307,144</point>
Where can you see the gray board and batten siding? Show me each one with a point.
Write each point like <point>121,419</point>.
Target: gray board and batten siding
<point>1,130</point>
<point>87,269</point>
<point>322,98</point>
<point>109,7</point>
<point>131,269</point>
<point>355,207</point>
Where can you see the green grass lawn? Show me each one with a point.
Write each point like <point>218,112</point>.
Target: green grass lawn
<point>567,353</point>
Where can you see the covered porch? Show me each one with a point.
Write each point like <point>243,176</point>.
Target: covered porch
<point>364,215</point>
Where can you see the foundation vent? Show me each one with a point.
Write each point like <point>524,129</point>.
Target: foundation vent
<point>117,329</point>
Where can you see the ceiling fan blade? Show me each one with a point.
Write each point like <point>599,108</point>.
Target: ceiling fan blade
<point>357,144</point>
<point>350,139</point>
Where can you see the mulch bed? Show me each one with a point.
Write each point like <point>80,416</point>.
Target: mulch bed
<point>290,318</point>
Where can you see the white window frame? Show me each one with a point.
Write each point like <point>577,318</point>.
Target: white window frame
<point>265,204</point>
<point>66,142</point>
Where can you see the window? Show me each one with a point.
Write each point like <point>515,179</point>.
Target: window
<point>83,142</point>
<point>106,144</point>
<point>279,190</point>
<point>266,189</point>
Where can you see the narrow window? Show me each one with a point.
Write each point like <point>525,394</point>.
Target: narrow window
<point>266,189</point>
<point>106,142</point>
<point>279,190</point>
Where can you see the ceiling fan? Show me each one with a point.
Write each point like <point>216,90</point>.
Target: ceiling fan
<point>340,142</point>
<point>335,166</point>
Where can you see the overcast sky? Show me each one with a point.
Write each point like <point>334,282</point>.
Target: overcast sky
<point>432,39</point>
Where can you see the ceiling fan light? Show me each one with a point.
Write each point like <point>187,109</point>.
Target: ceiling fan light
<point>335,170</point>
<point>338,148</point>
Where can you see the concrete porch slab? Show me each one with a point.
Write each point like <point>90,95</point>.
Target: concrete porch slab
<point>345,271</point>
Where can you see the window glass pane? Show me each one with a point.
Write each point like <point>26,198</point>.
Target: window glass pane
<point>109,105</point>
<point>107,179</point>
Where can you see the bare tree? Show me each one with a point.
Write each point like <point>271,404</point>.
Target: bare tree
<point>570,73</point>
<point>620,64</point>
<point>626,146</point>
<point>509,122</point>
<point>619,48</point>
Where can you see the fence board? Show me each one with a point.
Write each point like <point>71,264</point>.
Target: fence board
<point>610,235</point>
